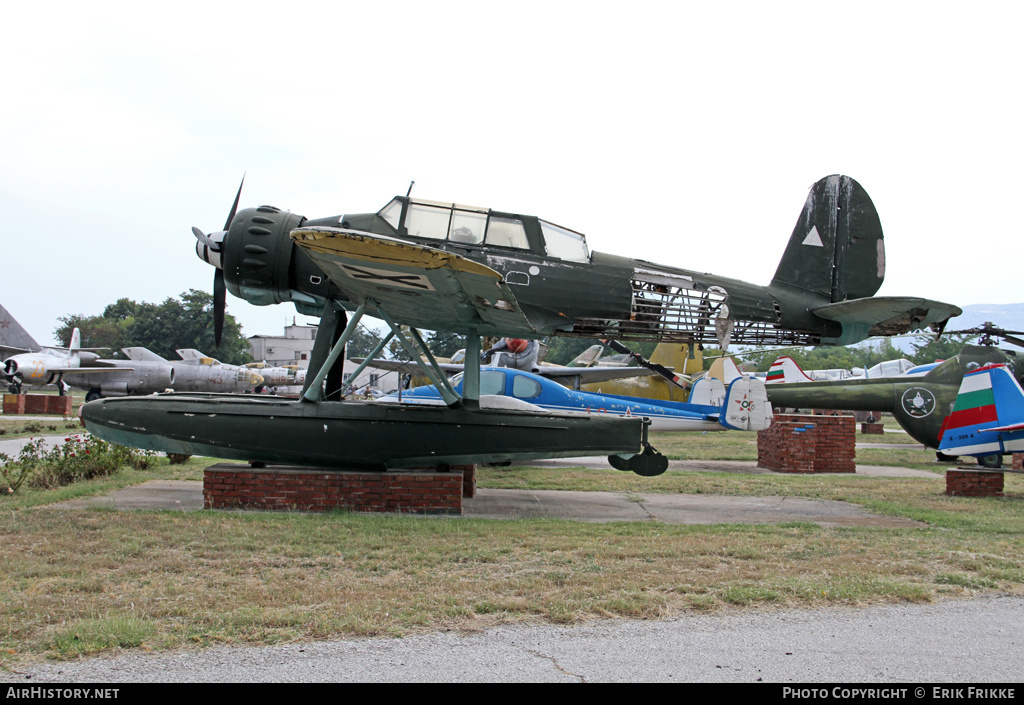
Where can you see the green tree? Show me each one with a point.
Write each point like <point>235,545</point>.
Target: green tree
<point>96,332</point>
<point>187,323</point>
<point>184,322</point>
<point>444,343</point>
<point>929,349</point>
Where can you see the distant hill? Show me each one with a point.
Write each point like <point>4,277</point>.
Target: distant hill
<point>1008,316</point>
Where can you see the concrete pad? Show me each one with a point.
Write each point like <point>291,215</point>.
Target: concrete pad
<point>595,507</point>
<point>552,504</point>
<point>182,495</point>
<point>602,507</point>
<point>746,467</point>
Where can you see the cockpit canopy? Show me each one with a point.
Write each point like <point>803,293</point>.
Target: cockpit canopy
<point>471,226</point>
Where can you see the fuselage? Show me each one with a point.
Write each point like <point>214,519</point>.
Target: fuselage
<point>37,368</point>
<point>551,396</point>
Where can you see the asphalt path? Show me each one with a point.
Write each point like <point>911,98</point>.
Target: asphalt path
<point>956,641</point>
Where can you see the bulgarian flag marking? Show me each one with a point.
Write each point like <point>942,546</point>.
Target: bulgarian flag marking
<point>975,404</point>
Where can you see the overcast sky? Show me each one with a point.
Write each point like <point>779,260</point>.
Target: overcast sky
<point>684,133</point>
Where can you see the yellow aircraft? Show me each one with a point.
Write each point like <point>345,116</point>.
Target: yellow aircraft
<point>680,358</point>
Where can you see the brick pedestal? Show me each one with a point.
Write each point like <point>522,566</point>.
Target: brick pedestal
<point>969,482</point>
<point>873,428</point>
<point>799,443</point>
<point>14,403</point>
<point>1018,462</point>
<point>312,489</point>
<point>37,404</point>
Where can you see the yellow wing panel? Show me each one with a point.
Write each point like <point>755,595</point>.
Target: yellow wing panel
<point>415,285</point>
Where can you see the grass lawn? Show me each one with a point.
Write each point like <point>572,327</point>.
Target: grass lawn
<point>84,582</point>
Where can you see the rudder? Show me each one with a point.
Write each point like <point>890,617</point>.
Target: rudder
<point>836,249</point>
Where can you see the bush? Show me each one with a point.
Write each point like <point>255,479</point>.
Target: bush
<point>78,458</point>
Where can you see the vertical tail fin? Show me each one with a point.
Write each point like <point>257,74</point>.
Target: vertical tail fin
<point>76,340</point>
<point>13,336</point>
<point>785,370</point>
<point>587,358</point>
<point>681,358</point>
<point>725,369</point>
<point>988,415</point>
<point>746,406</point>
<point>836,248</point>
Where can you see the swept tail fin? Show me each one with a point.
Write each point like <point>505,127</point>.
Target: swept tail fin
<point>14,338</point>
<point>785,370</point>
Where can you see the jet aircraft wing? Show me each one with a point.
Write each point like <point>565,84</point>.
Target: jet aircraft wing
<point>423,286</point>
<point>6,350</point>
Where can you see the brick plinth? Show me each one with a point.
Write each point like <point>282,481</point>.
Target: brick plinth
<point>800,443</point>
<point>872,428</point>
<point>14,403</point>
<point>968,482</point>
<point>1018,462</point>
<point>37,404</point>
<point>312,489</point>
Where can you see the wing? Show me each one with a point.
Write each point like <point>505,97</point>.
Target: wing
<point>407,366</point>
<point>6,350</point>
<point>587,375</point>
<point>416,285</point>
<point>86,370</point>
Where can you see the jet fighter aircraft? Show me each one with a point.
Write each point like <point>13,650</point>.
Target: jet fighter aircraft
<point>196,372</point>
<point>48,365</point>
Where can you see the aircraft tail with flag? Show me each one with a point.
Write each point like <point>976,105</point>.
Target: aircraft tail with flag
<point>785,370</point>
<point>987,420</point>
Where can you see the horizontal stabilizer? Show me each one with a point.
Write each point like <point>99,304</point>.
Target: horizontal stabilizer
<point>884,315</point>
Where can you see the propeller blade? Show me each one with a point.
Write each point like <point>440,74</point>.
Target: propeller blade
<point>234,207</point>
<point>678,380</point>
<point>204,238</point>
<point>220,291</point>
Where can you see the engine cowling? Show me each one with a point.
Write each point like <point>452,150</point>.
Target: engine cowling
<point>263,266</point>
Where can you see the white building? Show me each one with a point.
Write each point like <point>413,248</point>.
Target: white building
<point>295,347</point>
